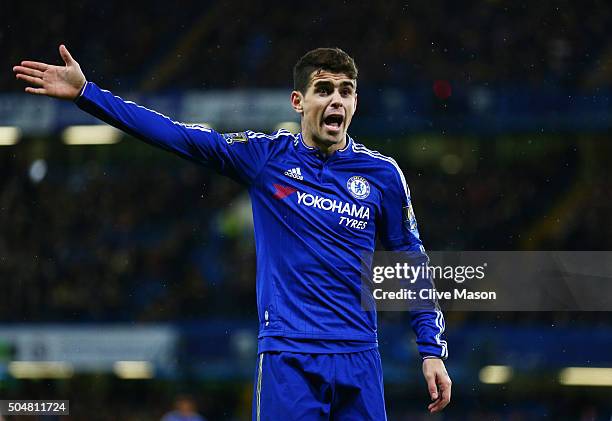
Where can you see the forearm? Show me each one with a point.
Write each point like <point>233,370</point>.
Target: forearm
<point>428,327</point>
<point>426,317</point>
<point>142,123</point>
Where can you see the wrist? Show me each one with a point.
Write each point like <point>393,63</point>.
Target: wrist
<point>80,93</point>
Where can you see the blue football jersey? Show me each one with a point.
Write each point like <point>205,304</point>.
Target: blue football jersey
<point>315,217</point>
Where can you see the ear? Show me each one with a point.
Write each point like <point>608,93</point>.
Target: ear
<point>296,101</point>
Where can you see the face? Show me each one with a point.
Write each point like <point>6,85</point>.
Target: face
<point>327,108</point>
<point>185,406</point>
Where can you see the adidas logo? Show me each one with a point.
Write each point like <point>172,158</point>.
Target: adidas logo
<point>295,173</point>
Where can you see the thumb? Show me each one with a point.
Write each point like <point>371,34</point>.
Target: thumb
<point>433,389</point>
<point>65,55</point>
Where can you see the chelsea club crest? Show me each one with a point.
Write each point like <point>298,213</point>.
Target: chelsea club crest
<point>358,187</point>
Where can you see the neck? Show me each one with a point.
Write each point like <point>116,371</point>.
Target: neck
<point>325,147</point>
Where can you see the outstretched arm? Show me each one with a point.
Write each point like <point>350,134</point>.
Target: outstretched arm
<point>238,155</point>
<point>63,82</point>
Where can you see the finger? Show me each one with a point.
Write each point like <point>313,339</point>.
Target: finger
<point>28,71</point>
<point>30,79</point>
<point>438,405</point>
<point>432,388</point>
<point>35,65</point>
<point>65,54</point>
<point>445,396</point>
<point>433,407</point>
<point>36,91</point>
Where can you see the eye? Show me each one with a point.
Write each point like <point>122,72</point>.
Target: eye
<point>323,90</point>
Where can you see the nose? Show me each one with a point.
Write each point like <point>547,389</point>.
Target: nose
<point>336,101</point>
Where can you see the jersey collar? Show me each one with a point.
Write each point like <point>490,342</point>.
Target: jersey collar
<point>303,147</point>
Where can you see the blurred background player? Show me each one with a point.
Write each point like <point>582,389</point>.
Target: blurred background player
<point>185,409</point>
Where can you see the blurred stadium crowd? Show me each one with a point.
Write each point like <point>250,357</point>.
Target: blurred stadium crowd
<point>111,240</point>
<point>121,242</point>
<point>140,45</point>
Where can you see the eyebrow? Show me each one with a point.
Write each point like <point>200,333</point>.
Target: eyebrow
<point>327,82</point>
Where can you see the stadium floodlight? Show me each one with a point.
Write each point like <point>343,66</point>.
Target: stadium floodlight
<point>40,369</point>
<point>133,369</point>
<point>292,126</point>
<point>586,376</point>
<point>9,135</point>
<point>97,134</point>
<point>495,374</point>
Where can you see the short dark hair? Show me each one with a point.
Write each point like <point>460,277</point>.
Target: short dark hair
<point>330,59</point>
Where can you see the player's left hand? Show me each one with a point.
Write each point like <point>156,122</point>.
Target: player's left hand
<point>438,383</point>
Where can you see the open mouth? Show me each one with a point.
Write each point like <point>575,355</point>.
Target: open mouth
<point>333,122</point>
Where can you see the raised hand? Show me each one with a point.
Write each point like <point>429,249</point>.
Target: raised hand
<point>64,82</point>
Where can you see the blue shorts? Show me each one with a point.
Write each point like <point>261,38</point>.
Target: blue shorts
<point>311,387</point>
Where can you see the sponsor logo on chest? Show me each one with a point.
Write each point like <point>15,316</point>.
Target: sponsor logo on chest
<point>333,205</point>
<point>351,215</point>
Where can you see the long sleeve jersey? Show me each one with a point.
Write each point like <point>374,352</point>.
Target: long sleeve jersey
<point>315,217</point>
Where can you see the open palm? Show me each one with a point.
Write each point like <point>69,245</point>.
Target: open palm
<point>64,82</point>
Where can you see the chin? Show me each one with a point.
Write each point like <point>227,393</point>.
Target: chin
<point>334,139</point>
